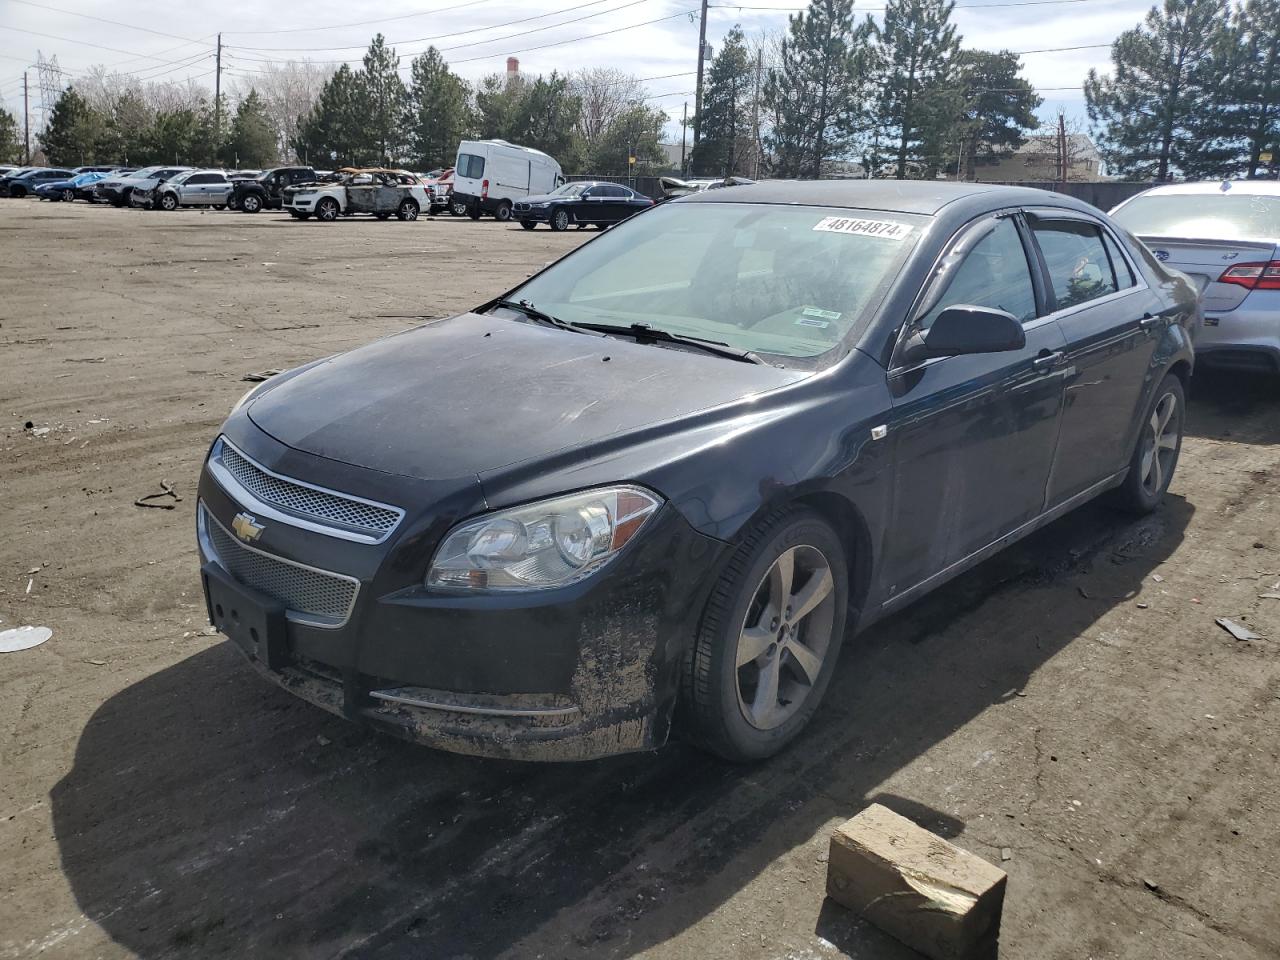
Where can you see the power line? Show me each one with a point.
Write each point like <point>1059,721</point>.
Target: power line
<point>86,43</point>
<point>115,23</point>
<point>361,23</point>
<point>958,6</point>
<point>590,36</point>
<point>438,36</point>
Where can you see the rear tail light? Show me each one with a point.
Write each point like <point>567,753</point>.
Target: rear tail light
<point>484,190</point>
<point>1253,276</point>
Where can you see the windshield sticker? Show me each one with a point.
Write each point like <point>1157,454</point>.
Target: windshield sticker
<point>822,314</point>
<point>811,322</point>
<point>884,229</point>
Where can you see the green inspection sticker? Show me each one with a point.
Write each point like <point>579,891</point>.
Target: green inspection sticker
<point>821,314</point>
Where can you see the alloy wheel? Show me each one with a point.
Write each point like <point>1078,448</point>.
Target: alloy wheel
<point>68,195</point>
<point>1160,444</point>
<point>785,637</point>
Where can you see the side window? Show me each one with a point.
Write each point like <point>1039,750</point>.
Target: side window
<point>1079,268</point>
<point>994,274</point>
<point>200,178</point>
<point>1124,273</point>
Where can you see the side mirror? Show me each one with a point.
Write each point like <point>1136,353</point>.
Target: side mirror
<point>965,329</point>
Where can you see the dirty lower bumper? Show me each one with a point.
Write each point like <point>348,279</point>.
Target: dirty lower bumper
<point>569,674</point>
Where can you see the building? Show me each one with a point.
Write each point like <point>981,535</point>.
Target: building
<point>1039,160</point>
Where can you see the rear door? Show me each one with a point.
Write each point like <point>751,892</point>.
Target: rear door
<point>974,436</point>
<point>1111,322</point>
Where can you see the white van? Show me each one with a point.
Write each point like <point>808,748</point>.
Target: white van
<point>490,175</point>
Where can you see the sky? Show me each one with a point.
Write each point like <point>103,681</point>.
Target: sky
<point>647,38</point>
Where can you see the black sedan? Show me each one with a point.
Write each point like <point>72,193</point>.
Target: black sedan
<point>667,475</point>
<point>584,203</point>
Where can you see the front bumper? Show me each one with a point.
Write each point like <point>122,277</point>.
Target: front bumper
<point>305,204</point>
<point>524,211</point>
<point>1246,337</point>
<point>569,674</point>
<point>141,198</point>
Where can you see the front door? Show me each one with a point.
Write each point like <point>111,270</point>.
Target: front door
<point>1105,315</point>
<point>974,435</point>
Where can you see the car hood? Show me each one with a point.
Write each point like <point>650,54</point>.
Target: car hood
<point>475,393</point>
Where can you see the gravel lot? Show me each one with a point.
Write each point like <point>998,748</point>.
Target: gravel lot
<point>1071,700</point>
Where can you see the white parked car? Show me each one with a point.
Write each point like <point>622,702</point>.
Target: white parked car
<point>1225,235</point>
<point>375,190</point>
<point>491,175</point>
<point>194,188</point>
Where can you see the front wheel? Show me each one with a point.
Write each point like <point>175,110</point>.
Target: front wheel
<point>219,206</point>
<point>528,224</point>
<point>327,210</point>
<point>560,219</point>
<point>503,213</point>
<point>251,204</point>
<point>68,195</point>
<point>769,638</point>
<point>1155,456</point>
<point>408,210</point>
<point>457,208</point>
<point>168,202</point>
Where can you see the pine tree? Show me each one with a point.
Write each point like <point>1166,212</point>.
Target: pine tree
<point>333,132</point>
<point>1252,114</point>
<point>439,111</point>
<point>999,108</point>
<point>499,103</point>
<point>10,140</point>
<point>917,99</point>
<point>74,131</point>
<point>383,98</point>
<point>724,127</point>
<point>252,139</point>
<point>171,137</point>
<point>126,136</point>
<point>816,95</point>
<point>1149,114</point>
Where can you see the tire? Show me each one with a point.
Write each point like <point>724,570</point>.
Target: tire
<point>295,214</point>
<point>1155,455</point>
<point>219,206</point>
<point>503,213</point>
<point>69,195</point>
<point>233,203</point>
<point>168,202</point>
<point>301,216</point>
<point>457,208</point>
<point>750,710</point>
<point>252,203</point>
<point>17,192</point>
<point>327,210</point>
<point>473,211</point>
<point>408,210</point>
<point>528,224</point>
<point>560,219</point>
<point>382,216</point>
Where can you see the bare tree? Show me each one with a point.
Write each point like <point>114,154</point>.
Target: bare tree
<point>1059,152</point>
<point>606,95</point>
<point>289,91</point>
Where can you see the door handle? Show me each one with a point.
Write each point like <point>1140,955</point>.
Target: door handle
<point>1047,361</point>
<point>1150,321</point>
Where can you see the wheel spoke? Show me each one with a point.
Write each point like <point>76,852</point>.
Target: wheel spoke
<point>1166,408</point>
<point>754,641</point>
<point>1157,470</point>
<point>1147,458</point>
<point>808,661</point>
<point>780,577</point>
<point>1155,423</point>
<point>766,698</point>
<point>811,594</point>
<point>1169,441</point>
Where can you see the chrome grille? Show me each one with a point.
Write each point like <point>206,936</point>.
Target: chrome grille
<point>307,593</point>
<point>325,507</point>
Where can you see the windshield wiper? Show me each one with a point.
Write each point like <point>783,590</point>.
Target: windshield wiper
<point>647,334</point>
<point>533,313</point>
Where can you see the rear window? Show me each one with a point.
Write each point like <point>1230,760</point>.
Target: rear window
<point>470,165</point>
<point>1079,267</point>
<point>1210,216</point>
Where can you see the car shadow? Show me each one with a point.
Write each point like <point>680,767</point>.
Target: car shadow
<point>1224,405</point>
<point>209,813</point>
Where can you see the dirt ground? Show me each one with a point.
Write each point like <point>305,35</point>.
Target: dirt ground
<point>1071,700</point>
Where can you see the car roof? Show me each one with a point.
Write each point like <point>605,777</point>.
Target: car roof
<point>1269,188</point>
<point>903,196</point>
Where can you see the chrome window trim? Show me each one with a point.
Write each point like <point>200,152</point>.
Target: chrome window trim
<point>205,516</point>
<point>237,491</point>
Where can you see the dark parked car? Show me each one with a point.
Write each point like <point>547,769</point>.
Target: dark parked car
<point>664,476</point>
<point>79,187</point>
<point>265,191</point>
<point>24,184</point>
<point>583,203</point>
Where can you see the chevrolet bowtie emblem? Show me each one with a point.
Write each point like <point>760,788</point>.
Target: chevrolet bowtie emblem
<point>246,527</point>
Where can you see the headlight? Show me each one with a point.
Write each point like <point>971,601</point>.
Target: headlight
<point>551,543</point>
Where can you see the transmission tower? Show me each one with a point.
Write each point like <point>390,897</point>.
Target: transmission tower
<point>50,85</point>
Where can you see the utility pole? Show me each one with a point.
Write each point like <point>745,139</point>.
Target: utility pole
<point>1062,148</point>
<point>684,132</point>
<point>697,97</point>
<point>755,110</point>
<point>217,97</point>
<point>26,123</point>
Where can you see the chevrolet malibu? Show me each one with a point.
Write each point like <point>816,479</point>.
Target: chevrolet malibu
<point>660,482</point>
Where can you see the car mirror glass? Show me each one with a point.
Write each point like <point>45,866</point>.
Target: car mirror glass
<point>966,329</point>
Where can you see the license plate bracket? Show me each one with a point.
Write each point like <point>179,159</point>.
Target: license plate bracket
<point>254,621</point>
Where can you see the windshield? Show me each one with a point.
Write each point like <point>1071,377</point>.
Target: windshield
<point>788,281</point>
<point>145,172</point>
<point>181,177</point>
<point>1209,216</point>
